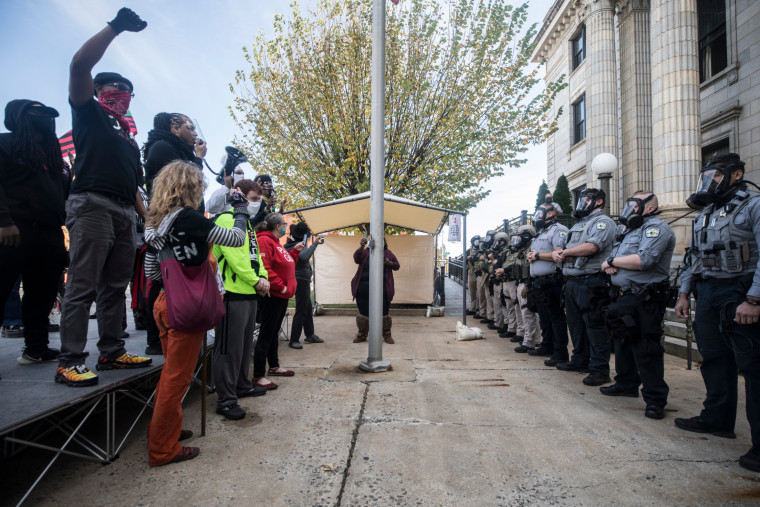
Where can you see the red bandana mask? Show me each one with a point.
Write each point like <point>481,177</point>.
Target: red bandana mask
<point>116,103</point>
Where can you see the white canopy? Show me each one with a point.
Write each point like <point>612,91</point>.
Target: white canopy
<point>354,210</point>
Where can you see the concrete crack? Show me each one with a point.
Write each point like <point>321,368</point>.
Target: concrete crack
<point>347,468</point>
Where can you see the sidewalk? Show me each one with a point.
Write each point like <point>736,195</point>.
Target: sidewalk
<point>454,423</point>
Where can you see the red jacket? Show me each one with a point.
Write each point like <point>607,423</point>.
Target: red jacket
<point>280,265</point>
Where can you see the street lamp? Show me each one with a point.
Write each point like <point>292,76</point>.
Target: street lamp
<point>603,166</point>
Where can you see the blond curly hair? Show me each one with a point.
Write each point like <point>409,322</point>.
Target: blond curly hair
<point>179,184</point>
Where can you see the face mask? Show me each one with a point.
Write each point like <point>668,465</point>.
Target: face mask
<point>632,215</point>
<point>253,208</point>
<point>43,124</point>
<point>283,230</point>
<point>548,199</point>
<point>237,177</point>
<point>115,102</point>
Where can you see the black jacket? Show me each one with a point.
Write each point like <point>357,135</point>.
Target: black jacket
<point>162,148</point>
<point>29,194</point>
<point>303,268</point>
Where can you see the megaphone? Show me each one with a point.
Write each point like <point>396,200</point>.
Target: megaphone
<point>235,157</point>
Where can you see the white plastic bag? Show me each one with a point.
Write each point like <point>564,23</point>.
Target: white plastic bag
<point>465,333</point>
<point>435,311</point>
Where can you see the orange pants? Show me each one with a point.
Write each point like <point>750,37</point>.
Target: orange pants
<point>181,351</point>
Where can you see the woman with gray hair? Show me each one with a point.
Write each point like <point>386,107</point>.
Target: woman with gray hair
<point>281,269</point>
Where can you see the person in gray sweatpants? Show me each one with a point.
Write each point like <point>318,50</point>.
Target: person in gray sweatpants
<point>245,281</point>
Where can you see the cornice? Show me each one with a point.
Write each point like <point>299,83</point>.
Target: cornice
<point>624,8</point>
<point>558,19</point>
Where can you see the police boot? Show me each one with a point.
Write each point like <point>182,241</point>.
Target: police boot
<point>387,322</point>
<point>362,322</point>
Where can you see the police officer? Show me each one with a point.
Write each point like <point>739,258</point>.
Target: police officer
<point>472,278</point>
<point>639,266</point>
<point>547,283</point>
<point>531,326</point>
<point>515,330</point>
<point>588,244</point>
<point>481,266</point>
<point>500,314</point>
<point>725,278</point>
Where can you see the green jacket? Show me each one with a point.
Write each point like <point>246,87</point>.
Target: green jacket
<point>240,272</point>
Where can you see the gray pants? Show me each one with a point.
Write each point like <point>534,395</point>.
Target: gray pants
<point>515,321</point>
<point>233,340</point>
<point>472,288</point>
<point>531,325</point>
<point>102,253</point>
<point>485,301</point>
<point>500,315</point>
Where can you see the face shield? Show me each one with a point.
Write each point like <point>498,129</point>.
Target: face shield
<point>713,183</point>
<point>515,241</point>
<point>544,217</point>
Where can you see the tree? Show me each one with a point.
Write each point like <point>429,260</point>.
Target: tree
<point>562,195</point>
<point>460,104</point>
<point>542,191</point>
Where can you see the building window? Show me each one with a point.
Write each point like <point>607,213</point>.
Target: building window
<point>718,148</point>
<point>579,120</point>
<point>713,53</point>
<point>579,47</point>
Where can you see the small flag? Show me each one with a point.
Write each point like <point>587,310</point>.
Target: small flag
<point>131,123</point>
<point>67,145</point>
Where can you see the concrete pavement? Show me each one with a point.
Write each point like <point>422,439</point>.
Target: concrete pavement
<point>454,423</point>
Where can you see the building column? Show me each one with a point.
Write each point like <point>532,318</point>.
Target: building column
<point>635,96</point>
<point>601,85</point>
<point>676,149</point>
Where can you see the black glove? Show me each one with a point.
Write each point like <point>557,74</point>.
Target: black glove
<point>127,20</point>
<point>238,200</point>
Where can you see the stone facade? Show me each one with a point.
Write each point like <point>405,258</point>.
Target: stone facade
<point>644,100</point>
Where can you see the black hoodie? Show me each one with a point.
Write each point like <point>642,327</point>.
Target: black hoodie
<point>29,194</point>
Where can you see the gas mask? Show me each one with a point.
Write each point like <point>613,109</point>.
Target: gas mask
<point>518,241</point>
<point>713,181</point>
<point>587,203</point>
<point>541,218</point>
<point>632,215</point>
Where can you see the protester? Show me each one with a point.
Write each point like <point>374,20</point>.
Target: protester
<point>245,282</point>
<point>268,200</point>
<point>173,138</point>
<point>100,211</point>
<point>13,326</point>
<point>281,268</point>
<point>174,225</point>
<point>217,203</point>
<point>34,185</point>
<point>303,320</point>
<point>727,314</point>
<point>360,290</point>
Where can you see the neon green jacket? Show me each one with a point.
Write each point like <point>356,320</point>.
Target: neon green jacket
<point>240,272</point>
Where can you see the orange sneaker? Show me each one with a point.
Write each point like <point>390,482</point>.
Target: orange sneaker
<point>76,376</point>
<point>126,360</point>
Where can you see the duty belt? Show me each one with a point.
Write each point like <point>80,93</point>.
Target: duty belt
<point>724,281</point>
<point>585,277</point>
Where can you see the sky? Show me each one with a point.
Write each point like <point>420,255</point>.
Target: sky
<point>183,62</point>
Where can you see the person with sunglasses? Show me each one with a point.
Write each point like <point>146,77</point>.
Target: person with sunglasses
<point>100,212</point>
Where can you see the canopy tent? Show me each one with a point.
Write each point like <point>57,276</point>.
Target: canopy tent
<point>354,210</point>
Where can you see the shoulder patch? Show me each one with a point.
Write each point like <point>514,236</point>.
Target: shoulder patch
<point>601,226</point>
<point>562,234</point>
<point>652,232</point>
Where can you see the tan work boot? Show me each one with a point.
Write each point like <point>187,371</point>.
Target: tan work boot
<point>362,322</point>
<point>387,323</point>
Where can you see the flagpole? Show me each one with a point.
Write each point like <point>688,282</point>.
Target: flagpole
<point>375,361</point>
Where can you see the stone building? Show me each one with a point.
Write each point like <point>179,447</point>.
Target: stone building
<point>660,84</point>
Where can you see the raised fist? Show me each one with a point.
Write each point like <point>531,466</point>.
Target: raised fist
<point>127,20</point>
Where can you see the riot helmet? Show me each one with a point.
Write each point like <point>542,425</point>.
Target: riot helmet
<point>500,239</point>
<point>488,240</point>
<point>475,241</point>
<point>587,202</point>
<point>523,236</point>
<point>634,211</point>
<point>714,180</point>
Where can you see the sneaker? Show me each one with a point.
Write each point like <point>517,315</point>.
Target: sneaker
<point>76,376</point>
<point>232,412</point>
<point>15,331</point>
<point>697,425</point>
<point>254,391</point>
<point>616,390</point>
<point>751,460</point>
<point>125,360</point>
<point>313,339</point>
<point>153,351</point>
<point>48,356</point>
<point>295,345</point>
<point>596,378</point>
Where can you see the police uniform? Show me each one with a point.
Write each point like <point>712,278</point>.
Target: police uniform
<point>547,283</point>
<point>509,289</point>
<point>591,341</point>
<point>472,279</point>
<point>485,302</point>
<point>530,322</point>
<point>724,270</point>
<point>635,317</point>
<point>500,311</point>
